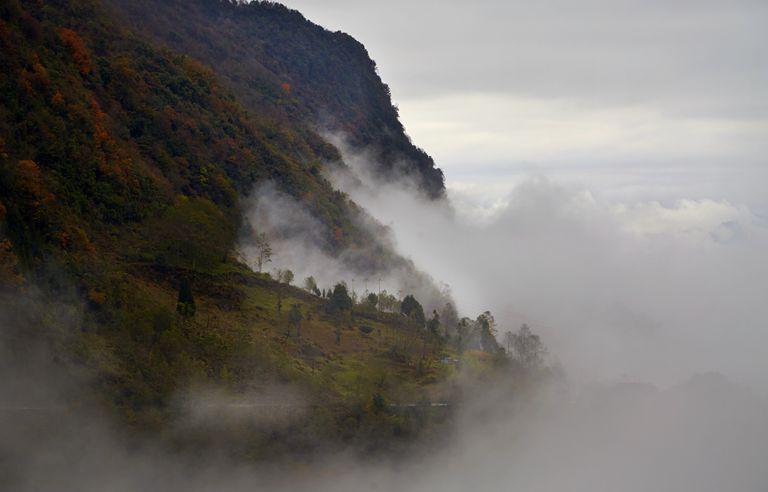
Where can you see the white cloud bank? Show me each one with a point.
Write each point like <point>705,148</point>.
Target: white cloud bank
<point>638,291</point>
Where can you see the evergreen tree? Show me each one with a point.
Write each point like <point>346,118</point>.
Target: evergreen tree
<point>372,299</point>
<point>185,304</point>
<point>412,308</point>
<point>340,300</point>
<point>433,325</point>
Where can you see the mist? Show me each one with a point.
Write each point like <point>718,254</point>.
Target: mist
<point>652,315</point>
<point>299,243</point>
<point>620,291</point>
<point>706,434</point>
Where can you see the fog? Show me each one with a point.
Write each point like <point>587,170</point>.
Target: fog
<point>655,314</point>
<point>300,243</point>
<point>706,434</point>
<point>619,291</point>
<point>653,311</point>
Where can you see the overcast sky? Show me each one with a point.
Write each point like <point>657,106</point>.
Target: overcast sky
<point>633,100</point>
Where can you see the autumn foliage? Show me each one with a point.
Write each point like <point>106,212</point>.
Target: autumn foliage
<point>77,46</point>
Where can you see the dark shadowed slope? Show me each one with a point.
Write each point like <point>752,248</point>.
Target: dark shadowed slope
<point>282,65</point>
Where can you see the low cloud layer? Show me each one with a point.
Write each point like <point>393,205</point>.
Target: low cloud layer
<point>638,291</point>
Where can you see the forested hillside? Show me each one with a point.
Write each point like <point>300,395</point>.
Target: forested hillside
<point>282,65</point>
<point>124,160</point>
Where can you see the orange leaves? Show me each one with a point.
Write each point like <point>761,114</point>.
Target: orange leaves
<point>36,79</point>
<point>41,74</point>
<point>29,180</point>
<point>97,298</point>
<point>77,47</point>
<point>195,68</point>
<point>286,87</point>
<point>75,239</point>
<point>57,99</point>
<point>99,118</point>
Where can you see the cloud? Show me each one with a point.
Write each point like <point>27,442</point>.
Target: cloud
<point>618,290</point>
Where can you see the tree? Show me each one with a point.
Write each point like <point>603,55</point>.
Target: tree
<point>464,327</point>
<point>387,302</point>
<point>509,339</point>
<point>433,325</point>
<point>310,285</point>
<point>284,276</point>
<point>487,325</point>
<point>294,318</point>
<point>372,300</point>
<point>263,250</point>
<point>411,308</point>
<point>193,233</point>
<point>339,299</point>
<point>185,305</point>
<point>528,348</point>
<point>450,319</point>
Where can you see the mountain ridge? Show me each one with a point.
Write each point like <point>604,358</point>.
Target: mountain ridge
<point>278,62</point>
<point>124,171</point>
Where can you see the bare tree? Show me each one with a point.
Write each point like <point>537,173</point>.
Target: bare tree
<point>529,350</point>
<point>310,285</point>
<point>263,250</point>
<point>284,276</point>
<point>509,339</point>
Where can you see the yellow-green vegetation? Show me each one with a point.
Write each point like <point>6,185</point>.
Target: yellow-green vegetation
<point>242,337</point>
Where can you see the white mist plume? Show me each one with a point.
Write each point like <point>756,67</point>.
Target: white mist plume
<point>298,241</point>
<point>640,291</point>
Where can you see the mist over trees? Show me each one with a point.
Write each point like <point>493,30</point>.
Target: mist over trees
<point>263,250</point>
<point>526,347</point>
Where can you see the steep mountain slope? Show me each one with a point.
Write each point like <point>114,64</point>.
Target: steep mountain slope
<point>279,63</point>
<point>122,170</point>
<point>110,130</point>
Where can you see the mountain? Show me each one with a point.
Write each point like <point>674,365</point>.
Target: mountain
<point>126,153</point>
<point>282,65</point>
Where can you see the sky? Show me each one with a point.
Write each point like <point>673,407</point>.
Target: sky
<point>635,100</point>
